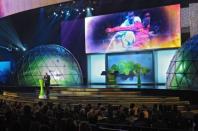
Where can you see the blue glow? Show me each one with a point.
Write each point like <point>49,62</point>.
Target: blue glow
<point>23,48</point>
<point>68,13</point>
<point>8,32</point>
<point>5,67</point>
<point>88,9</point>
<point>88,12</point>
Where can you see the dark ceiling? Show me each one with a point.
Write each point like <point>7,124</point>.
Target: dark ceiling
<point>109,6</point>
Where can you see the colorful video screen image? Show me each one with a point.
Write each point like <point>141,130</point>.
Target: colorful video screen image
<point>153,28</point>
<point>135,68</point>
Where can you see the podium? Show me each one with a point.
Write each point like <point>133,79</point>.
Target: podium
<point>41,92</point>
<point>111,77</point>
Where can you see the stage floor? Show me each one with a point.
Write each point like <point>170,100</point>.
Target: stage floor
<point>97,86</point>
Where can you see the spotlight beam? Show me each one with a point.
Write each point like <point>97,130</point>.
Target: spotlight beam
<point>9,49</point>
<point>8,34</point>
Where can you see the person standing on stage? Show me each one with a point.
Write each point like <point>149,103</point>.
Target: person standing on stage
<point>47,84</point>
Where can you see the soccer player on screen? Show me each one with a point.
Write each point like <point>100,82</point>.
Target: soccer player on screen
<point>126,37</point>
<point>141,32</point>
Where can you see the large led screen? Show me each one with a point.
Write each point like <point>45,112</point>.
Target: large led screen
<point>135,68</point>
<point>5,67</point>
<point>134,30</point>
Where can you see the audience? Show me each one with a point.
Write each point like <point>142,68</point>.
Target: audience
<point>66,117</point>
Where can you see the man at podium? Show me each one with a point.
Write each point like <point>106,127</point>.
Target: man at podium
<point>47,84</point>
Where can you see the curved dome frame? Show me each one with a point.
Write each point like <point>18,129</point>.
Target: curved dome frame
<point>183,69</point>
<point>55,60</point>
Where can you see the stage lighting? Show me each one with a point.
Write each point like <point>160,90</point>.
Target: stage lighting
<point>88,12</point>
<point>88,9</point>
<point>73,2</point>
<point>24,49</point>
<point>6,48</point>
<point>68,13</point>
<point>55,14</point>
<point>16,49</point>
<point>9,49</point>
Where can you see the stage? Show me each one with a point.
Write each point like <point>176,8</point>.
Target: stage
<point>100,94</point>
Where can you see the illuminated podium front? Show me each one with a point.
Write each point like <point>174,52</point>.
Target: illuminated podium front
<point>111,77</point>
<point>41,92</point>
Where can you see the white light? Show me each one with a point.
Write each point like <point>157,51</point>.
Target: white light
<point>89,12</point>
<point>55,14</point>
<point>24,49</point>
<point>9,49</point>
<point>62,12</point>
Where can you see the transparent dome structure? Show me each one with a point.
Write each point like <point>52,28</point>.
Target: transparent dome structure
<point>55,60</point>
<point>183,69</point>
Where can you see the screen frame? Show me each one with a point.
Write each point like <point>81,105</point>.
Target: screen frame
<point>140,10</point>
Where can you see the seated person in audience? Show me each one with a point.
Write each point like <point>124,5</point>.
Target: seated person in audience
<point>84,126</point>
<point>141,121</point>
